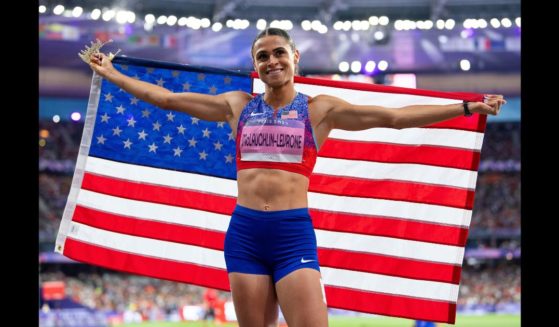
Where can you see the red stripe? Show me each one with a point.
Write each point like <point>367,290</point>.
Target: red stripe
<point>389,227</point>
<point>147,266</point>
<point>392,266</point>
<point>159,194</point>
<point>150,229</point>
<point>474,123</point>
<point>397,153</point>
<point>329,220</point>
<point>392,190</point>
<point>335,258</point>
<point>391,305</point>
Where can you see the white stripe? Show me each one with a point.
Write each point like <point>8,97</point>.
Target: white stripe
<point>356,205</point>
<point>164,177</point>
<point>361,97</point>
<point>389,284</point>
<point>389,208</point>
<point>153,211</point>
<point>147,246</point>
<point>424,174</point>
<point>415,136</point>
<point>390,246</point>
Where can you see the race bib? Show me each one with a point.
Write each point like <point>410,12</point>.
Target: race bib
<point>274,140</point>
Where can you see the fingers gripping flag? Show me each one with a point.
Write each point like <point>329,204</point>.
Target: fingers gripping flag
<point>153,191</point>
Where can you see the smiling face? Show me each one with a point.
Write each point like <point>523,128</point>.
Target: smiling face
<point>274,60</point>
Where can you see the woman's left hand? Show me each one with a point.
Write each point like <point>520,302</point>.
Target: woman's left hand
<point>491,105</point>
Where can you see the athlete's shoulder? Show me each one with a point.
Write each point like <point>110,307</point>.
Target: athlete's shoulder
<point>237,100</point>
<point>325,98</point>
<point>238,95</point>
<point>324,101</point>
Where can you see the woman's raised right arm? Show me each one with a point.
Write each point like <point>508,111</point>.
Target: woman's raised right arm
<point>204,106</point>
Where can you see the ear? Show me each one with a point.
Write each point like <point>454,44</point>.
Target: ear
<point>296,56</point>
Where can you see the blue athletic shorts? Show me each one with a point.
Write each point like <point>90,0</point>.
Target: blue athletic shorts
<point>271,243</point>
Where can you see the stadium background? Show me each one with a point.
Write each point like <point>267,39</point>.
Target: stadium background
<point>470,45</point>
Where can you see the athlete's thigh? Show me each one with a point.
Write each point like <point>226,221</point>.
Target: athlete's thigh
<point>255,299</point>
<point>302,300</point>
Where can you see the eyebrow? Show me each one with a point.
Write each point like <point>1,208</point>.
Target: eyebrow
<point>257,53</point>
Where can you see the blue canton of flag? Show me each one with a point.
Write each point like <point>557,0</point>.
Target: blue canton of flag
<point>130,130</point>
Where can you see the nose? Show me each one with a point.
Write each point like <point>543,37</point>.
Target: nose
<point>273,60</point>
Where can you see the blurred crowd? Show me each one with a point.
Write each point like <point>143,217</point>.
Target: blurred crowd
<point>62,140</point>
<point>130,295</point>
<point>490,288</point>
<point>53,191</point>
<point>497,202</point>
<point>503,141</point>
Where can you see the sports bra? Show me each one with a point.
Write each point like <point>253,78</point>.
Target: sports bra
<point>284,141</point>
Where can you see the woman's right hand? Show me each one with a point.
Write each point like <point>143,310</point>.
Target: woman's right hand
<point>101,64</point>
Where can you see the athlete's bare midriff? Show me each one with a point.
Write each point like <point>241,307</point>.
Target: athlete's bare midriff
<point>271,189</point>
<point>274,189</point>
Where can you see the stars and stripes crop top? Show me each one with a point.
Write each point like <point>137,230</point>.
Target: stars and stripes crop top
<point>284,141</point>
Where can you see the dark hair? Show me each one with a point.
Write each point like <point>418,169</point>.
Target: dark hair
<point>278,32</point>
<point>274,31</point>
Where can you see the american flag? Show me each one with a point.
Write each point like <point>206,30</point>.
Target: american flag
<point>153,191</point>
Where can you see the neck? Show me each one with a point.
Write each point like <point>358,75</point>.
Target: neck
<point>279,96</point>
